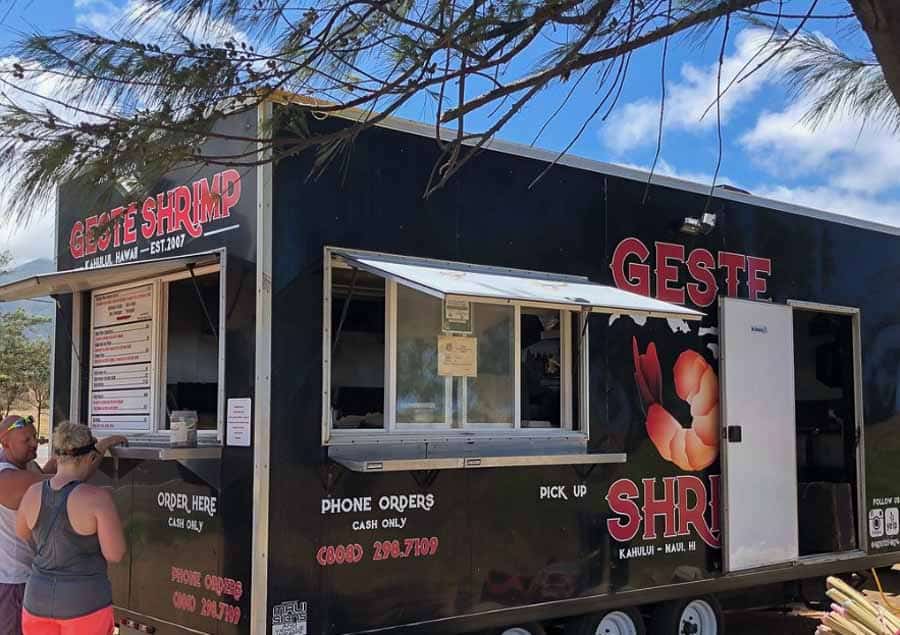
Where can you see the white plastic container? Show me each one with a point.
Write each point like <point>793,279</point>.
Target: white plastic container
<point>183,429</point>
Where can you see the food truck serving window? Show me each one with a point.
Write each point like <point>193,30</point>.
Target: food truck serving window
<point>416,347</point>
<point>156,350</point>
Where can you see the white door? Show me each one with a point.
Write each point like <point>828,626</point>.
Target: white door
<point>759,445</point>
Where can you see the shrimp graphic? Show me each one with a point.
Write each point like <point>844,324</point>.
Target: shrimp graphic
<point>695,448</point>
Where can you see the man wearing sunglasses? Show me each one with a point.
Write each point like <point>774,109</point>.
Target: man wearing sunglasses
<point>18,472</point>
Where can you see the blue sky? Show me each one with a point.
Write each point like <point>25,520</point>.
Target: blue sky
<point>843,166</point>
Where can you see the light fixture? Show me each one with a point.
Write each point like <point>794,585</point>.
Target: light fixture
<point>691,226</point>
<point>697,226</point>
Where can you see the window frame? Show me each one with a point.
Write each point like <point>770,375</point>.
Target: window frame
<point>159,355</point>
<point>394,432</point>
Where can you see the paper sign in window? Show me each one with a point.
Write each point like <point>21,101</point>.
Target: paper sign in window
<point>457,356</point>
<point>457,316</point>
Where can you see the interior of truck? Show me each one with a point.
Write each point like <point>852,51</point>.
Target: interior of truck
<point>827,468</point>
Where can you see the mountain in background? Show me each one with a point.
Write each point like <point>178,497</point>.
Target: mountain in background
<point>39,306</point>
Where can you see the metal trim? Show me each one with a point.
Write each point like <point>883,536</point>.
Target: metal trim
<point>259,577</point>
<point>723,445</point>
<point>77,354</point>
<point>167,454</point>
<point>155,620</point>
<point>222,335</point>
<point>152,269</point>
<point>859,412</point>
<point>477,462</point>
<point>354,254</point>
<point>470,436</point>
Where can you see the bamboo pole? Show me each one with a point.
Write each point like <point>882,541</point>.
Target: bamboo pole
<point>853,614</point>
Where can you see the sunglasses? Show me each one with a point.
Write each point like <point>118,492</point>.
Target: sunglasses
<point>21,422</point>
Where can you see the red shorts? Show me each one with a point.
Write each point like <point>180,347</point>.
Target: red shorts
<point>100,622</point>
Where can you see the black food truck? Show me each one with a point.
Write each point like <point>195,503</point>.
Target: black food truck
<point>354,409</point>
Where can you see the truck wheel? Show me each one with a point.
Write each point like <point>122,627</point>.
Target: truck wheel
<point>697,616</point>
<point>616,622</point>
<point>524,629</point>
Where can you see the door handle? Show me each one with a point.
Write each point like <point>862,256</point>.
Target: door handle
<point>734,434</point>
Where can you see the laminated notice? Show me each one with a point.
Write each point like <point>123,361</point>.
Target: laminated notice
<point>457,356</point>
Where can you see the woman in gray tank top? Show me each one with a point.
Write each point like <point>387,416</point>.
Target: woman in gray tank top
<point>76,530</point>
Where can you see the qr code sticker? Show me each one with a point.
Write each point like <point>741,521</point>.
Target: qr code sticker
<point>289,618</point>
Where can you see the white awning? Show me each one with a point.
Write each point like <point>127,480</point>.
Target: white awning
<point>473,282</point>
<point>85,279</point>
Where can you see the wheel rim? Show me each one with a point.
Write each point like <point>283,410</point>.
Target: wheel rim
<point>616,623</point>
<point>698,618</point>
<point>516,631</point>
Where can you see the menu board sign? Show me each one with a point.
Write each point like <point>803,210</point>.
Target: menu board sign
<point>122,364</point>
<point>122,344</point>
<point>120,307</point>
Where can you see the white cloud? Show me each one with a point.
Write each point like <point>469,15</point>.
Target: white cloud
<point>837,200</point>
<point>853,157</point>
<point>112,18</point>
<point>36,239</point>
<point>636,124</point>
<point>99,15</point>
<point>841,166</point>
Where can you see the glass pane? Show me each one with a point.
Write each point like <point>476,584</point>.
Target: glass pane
<point>420,390</point>
<point>192,349</point>
<point>491,395</point>
<point>541,368</point>
<point>357,342</point>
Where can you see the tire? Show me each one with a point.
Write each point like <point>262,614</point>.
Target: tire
<point>691,616</point>
<point>532,628</point>
<point>615,622</point>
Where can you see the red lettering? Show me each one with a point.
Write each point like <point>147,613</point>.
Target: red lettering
<point>666,273</point>
<point>231,191</point>
<point>184,208</point>
<point>206,202</point>
<point>621,497</point>
<point>637,278</point>
<point>732,264</point>
<point>90,227</point>
<point>664,507</point>
<point>148,214</point>
<point>756,286</point>
<point>694,515</point>
<point>128,229</point>
<point>182,205</point>
<point>76,240</point>
<point>116,228</point>
<point>165,213</point>
<point>700,266</point>
<point>103,232</point>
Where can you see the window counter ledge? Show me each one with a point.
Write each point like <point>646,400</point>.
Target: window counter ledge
<point>410,458</point>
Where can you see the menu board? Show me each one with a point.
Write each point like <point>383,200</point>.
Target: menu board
<point>122,364</point>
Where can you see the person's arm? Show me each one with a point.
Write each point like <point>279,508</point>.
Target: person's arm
<point>109,526</point>
<point>49,466</point>
<point>103,445</point>
<point>26,516</point>
<point>14,484</point>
